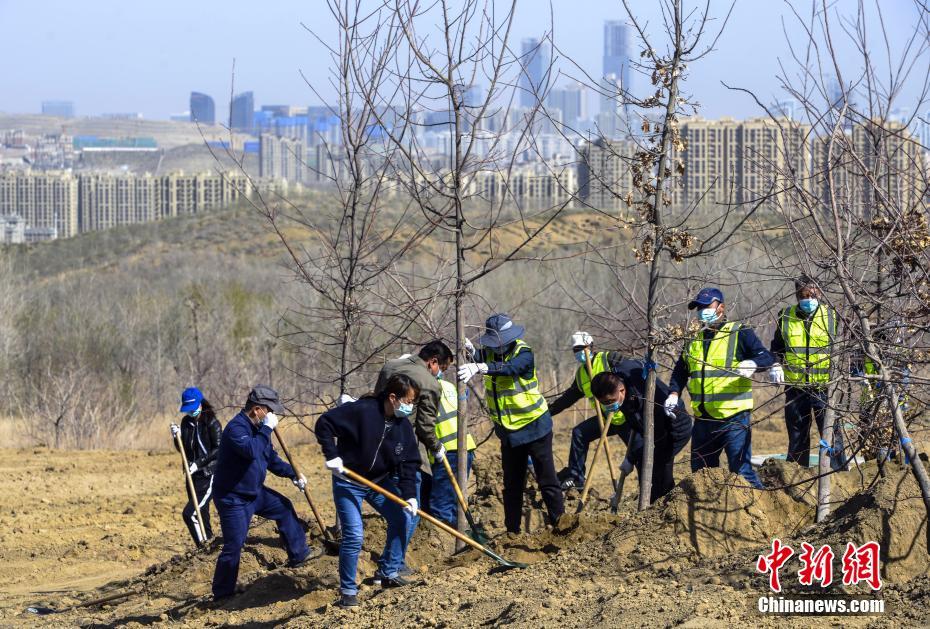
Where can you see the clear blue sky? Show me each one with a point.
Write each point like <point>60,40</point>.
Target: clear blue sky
<point>147,55</point>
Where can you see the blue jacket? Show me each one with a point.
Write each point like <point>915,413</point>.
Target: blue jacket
<point>244,458</point>
<point>370,444</point>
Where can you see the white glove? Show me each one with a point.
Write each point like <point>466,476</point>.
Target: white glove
<point>193,468</point>
<point>671,402</point>
<point>469,370</point>
<point>469,349</point>
<point>627,466</point>
<point>345,398</point>
<point>746,368</point>
<point>300,481</point>
<point>335,465</point>
<point>776,374</point>
<point>270,420</point>
<point>412,506</point>
<point>440,454</point>
<point>175,430</point>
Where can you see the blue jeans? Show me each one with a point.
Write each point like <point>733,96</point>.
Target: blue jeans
<point>443,502</point>
<point>235,513</point>
<point>377,500</point>
<point>348,497</point>
<point>710,437</point>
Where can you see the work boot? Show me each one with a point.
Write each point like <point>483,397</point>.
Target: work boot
<point>347,600</point>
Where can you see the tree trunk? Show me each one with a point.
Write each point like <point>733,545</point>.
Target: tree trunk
<point>826,458</point>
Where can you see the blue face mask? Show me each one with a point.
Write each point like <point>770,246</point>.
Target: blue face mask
<point>709,315</point>
<point>808,306</point>
<point>613,407</point>
<point>579,356</point>
<point>195,413</point>
<point>404,410</point>
<point>439,375</point>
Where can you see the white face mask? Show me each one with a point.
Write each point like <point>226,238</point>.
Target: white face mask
<point>708,315</point>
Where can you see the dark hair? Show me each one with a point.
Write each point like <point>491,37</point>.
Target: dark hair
<point>399,384</point>
<point>206,410</point>
<point>606,383</point>
<point>803,281</point>
<point>438,350</point>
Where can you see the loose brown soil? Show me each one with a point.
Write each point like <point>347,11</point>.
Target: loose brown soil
<point>77,526</point>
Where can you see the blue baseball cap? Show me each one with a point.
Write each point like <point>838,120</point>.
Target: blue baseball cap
<point>190,400</point>
<point>706,297</point>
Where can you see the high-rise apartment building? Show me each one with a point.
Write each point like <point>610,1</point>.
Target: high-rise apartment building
<point>110,199</point>
<point>44,199</point>
<point>572,101</point>
<point>203,109</point>
<point>281,158</point>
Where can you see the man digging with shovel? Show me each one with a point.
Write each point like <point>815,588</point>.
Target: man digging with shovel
<point>245,456</point>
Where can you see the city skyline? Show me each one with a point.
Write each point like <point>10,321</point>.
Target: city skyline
<point>271,49</point>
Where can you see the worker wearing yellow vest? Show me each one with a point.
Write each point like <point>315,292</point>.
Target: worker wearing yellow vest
<point>717,366</point>
<point>803,342</point>
<point>573,476</point>
<point>442,499</point>
<point>521,417</point>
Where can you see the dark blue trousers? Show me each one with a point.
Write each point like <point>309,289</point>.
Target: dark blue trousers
<point>235,513</point>
<point>710,437</point>
<point>800,404</point>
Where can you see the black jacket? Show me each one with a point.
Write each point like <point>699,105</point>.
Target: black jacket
<point>669,431</point>
<point>201,439</point>
<point>370,444</point>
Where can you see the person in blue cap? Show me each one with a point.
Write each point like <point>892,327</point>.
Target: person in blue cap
<point>200,432</point>
<point>521,417</point>
<point>717,367</point>
<point>239,493</point>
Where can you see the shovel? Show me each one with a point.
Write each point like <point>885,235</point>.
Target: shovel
<point>477,533</point>
<point>44,611</point>
<point>198,525</point>
<point>618,495</point>
<point>605,426</point>
<point>438,524</point>
<point>331,545</point>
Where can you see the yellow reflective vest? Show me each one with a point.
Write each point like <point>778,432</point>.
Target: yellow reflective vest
<point>447,421</point>
<point>807,345</point>
<point>513,401</point>
<point>713,381</point>
<point>599,364</point>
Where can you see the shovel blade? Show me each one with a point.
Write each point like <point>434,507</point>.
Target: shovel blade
<point>41,611</point>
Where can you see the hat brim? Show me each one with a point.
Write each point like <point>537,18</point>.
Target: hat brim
<point>190,406</point>
<point>694,304</point>
<point>503,338</point>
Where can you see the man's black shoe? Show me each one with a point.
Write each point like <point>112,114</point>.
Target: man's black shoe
<point>396,581</point>
<point>312,553</point>
<point>347,600</point>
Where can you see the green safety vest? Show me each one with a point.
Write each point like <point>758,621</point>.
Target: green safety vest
<point>516,401</point>
<point>713,380</point>
<point>599,364</point>
<point>447,421</point>
<point>807,345</point>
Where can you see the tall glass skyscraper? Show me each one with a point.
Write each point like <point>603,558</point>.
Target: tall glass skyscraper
<point>242,112</point>
<point>535,60</point>
<point>617,52</point>
<point>202,108</point>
